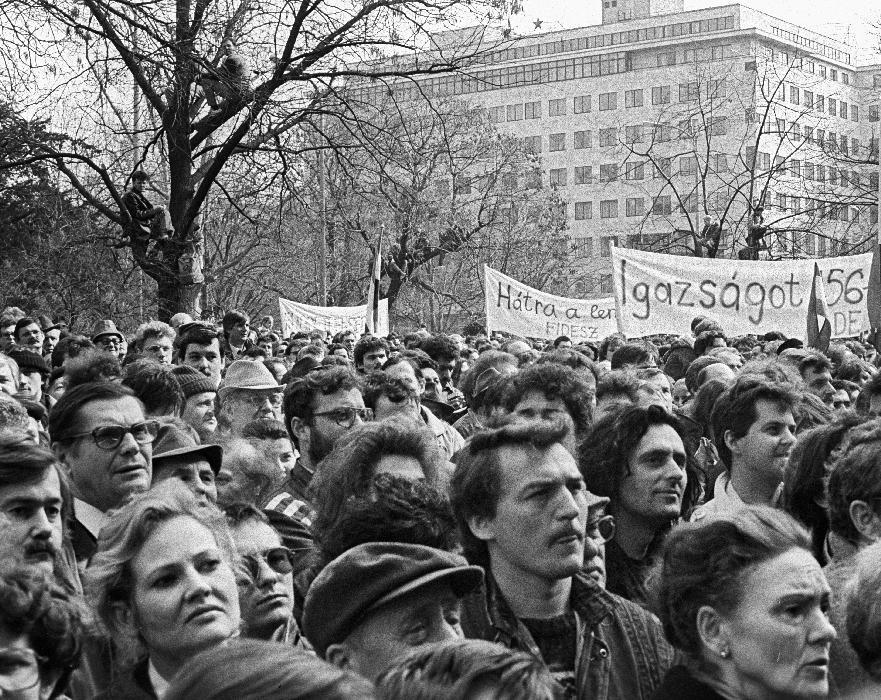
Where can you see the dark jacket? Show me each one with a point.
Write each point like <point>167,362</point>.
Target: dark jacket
<point>131,684</point>
<point>679,684</point>
<point>623,655</point>
<point>83,542</point>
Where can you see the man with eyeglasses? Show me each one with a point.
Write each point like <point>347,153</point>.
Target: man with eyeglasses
<point>265,577</point>
<point>247,393</point>
<point>106,336</point>
<point>318,410</point>
<point>101,437</point>
<point>523,509</point>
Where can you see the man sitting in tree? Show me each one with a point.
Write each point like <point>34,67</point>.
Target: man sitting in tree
<point>230,81</point>
<point>147,220</point>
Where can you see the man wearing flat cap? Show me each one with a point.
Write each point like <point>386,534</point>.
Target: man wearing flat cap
<point>248,392</point>
<point>379,600</point>
<point>33,371</point>
<point>199,396</point>
<point>177,454</point>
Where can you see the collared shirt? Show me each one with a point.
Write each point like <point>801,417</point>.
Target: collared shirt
<point>726,500</point>
<point>160,685</point>
<point>89,517</point>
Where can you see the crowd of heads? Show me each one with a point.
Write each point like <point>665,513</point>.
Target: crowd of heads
<point>201,510</point>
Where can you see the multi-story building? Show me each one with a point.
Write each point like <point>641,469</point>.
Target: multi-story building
<point>658,117</point>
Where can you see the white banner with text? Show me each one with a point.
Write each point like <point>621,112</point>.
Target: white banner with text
<point>657,293</point>
<point>305,317</point>
<point>513,307</point>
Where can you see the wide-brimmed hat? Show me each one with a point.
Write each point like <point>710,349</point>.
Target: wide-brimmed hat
<point>172,441</point>
<point>47,324</point>
<point>106,327</point>
<point>246,374</point>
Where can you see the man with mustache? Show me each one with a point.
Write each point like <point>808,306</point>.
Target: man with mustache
<point>635,457</point>
<point>522,507</point>
<point>31,502</point>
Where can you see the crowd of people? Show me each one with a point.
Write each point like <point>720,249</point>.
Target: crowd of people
<point>203,511</point>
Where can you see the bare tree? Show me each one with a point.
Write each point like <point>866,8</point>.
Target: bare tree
<point>133,78</point>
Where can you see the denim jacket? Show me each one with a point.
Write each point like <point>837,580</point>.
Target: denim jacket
<point>621,655</point>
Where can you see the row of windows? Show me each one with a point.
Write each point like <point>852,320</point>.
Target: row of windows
<point>634,171</point>
<point>813,45</point>
<point>821,103</point>
<point>515,53</point>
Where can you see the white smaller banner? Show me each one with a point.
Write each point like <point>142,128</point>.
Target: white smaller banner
<point>513,307</point>
<point>305,317</point>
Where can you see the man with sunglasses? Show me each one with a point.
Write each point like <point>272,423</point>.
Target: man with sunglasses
<point>265,577</point>
<point>524,514</point>
<point>101,437</point>
<point>318,410</point>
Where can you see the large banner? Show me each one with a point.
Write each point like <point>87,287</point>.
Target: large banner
<point>513,307</point>
<point>657,293</point>
<point>304,317</point>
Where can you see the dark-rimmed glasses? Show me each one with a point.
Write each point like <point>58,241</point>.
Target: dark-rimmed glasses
<point>279,559</point>
<point>601,529</point>
<point>345,417</point>
<point>108,437</point>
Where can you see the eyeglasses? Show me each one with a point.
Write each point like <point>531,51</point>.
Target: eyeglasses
<point>109,342</point>
<point>345,417</point>
<point>108,437</point>
<point>19,669</point>
<point>602,529</point>
<point>256,399</point>
<point>279,559</point>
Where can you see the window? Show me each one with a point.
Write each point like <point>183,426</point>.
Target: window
<point>532,110</point>
<point>582,139</point>
<point>843,143</point>
<point>609,209</point>
<point>689,56</point>
<point>794,95</point>
<point>635,206</point>
<point>608,137</point>
<point>633,134</point>
<point>689,92</point>
<point>583,175</point>
<point>821,137</point>
<point>662,167</point>
<point>854,113</point>
<point>832,106</point>
<point>581,104</point>
<point>687,165</point>
<point>820,173</point>
<point>717,89</point>
<point>532,144</point>
<point>608,172</point>
<point>583,211</point>
<point>833,175</point>
<point>809,99</point>
<point>833,74</point>
<point>845,78</point>
<point>842,109</point>
<point>808,171</point>
<point>820,103</point>
<point>661,95</point>
<point>608,100</point>
<point>721,163</point>
<point>821,70</point>
<point>496,114</point>
<point>666,58</point>
<point>854,147</point>
<point>795,168</point>
<point>781,202</point>
<point>558,176</point>
<point>764,160</point>
<point>781,127</point>
<point>634,171</point>
<point>515,113</point>
<point>794,132</point>
<point>874,113</point>
<point>809,133</point>
<point>633,98</point>
<point>556,142</point>
<point>719,126</point>
<point>689,203</point>
<point>461,184</point>
<point>661,205</point>
<point>557,108</point>
<point>662,132</point>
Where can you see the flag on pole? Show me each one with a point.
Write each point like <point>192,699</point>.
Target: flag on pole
<point>873,298</point>
<point>373,293</point>
<point>819,329</point>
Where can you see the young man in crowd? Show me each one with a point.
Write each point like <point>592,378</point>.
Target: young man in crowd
<point>155,340</point>
<point>370,353</point>
<point>236,335</point>
<point>104,443</point>
<point>29,335</point>
<point>635,457</point>
<point>198,346</point>
<point>444,351</point>
<point>754,429</point>
<point>522,509</point>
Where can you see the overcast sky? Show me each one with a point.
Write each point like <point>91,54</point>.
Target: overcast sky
<point>832,17</point>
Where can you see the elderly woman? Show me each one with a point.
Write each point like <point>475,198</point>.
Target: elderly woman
<point>40,630</point>
<point>744,601</point>
<point>163,579</point>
